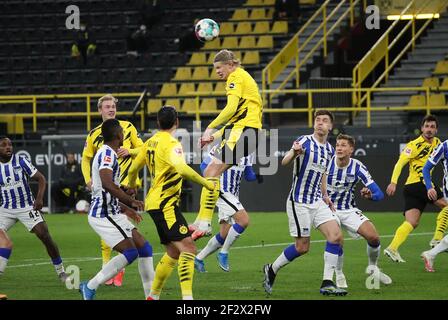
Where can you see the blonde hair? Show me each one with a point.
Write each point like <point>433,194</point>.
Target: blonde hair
<point>226,56</point>
<point>107,97</point>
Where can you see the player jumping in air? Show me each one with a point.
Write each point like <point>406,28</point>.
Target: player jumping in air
<point>241,122</point>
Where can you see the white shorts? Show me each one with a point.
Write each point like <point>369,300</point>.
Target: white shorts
<point>351,220</point>
<point>112,229</point>
<point>29,217</point>
<point>302,216</point>
<point>228,204</point>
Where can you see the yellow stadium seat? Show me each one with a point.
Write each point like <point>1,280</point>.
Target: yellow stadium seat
<point>211,57</point>
<point>186,88</point>
<point>417,101</point>
<point>247,42</point>
<point>251,57</point>
<point>154,105</point>
<point>431,82</point>
<point>198,58</point>
<point>205,87</point>
<point>307,1</point>
<point>208,104</point>
<point>257,14</point>
<point>238,54</point>
<point>168,89</point>
<point>226,28</point>
<point>189,105</point>
<point>441,67</point>
<point>269,2</point>
<point>437,100</point>
<point>200,73</point>
<point>230,43</point>
<point>265,42</point>
<point>173,102</point>
<point>220,88</point>
<point>254,3</point>
<point>243,28</point>
<point>261,27</point>
<point>270,13</point>
<point>183,73</point>
<point>214,44</point>
<point>445,83</point>
<point>280,27</point>
<point>240,14</point>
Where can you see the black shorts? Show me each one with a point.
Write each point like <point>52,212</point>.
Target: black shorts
<point>174,232</point>
<point>416,196</point>
<point>237,142</point>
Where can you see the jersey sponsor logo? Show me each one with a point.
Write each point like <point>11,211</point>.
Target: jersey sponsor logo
<point>183,229</point>
<point>408,151</point>
<point>232,86</point>
<point>107,159</point>
<point>178,151</point>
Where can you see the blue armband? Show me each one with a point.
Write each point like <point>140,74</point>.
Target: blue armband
<point>377,194</point>
<point>204,164</point>
<point>249,174</point>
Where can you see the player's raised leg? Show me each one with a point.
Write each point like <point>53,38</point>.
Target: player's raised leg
<point>128,253</point>
<point>430,255</point>
<point>42,232</point>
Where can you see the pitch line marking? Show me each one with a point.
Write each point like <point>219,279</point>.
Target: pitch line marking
<point>87,259</point>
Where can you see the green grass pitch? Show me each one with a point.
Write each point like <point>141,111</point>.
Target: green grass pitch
<point>30,275</point>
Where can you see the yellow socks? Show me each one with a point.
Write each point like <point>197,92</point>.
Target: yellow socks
<point>106,252</point>
<point>163,271</point>
<point>186,272</point>
<point>208,202</point>
<point>442,224</point>
<point>401,235</point>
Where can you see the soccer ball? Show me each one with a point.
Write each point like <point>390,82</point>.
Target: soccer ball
<point>206,30</point>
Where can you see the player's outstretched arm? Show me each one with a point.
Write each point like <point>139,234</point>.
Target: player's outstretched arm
<point>432,193</point>
<point>226,114</point>
<point>41,183</point>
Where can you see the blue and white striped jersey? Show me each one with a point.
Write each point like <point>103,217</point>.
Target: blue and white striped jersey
<point>103,203</point>
<point>231,178</point>
<point>441,153</point>
<point>309,168</point>
<point>14,187</point>
<point>341,182</point>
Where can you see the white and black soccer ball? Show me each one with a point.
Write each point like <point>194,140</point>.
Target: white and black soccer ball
<point>206,29</point>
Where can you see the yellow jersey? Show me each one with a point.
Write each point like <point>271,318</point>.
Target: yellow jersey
<point>415,153</point>
<point>248,107</point>
<point>164,158</point>
<point>94,141</point>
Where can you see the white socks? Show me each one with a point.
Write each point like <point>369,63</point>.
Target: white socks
<point>146,270</point>
<point>442,246</point>
<point>373,254</point>
<point>211,247</point>
<point>330,264</point>
<point>110,269</point>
